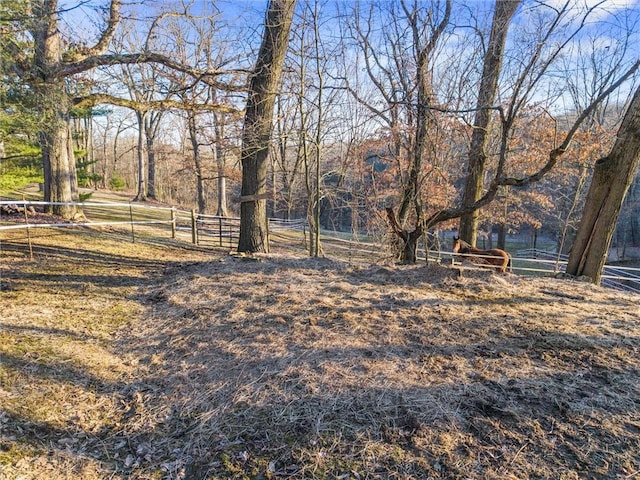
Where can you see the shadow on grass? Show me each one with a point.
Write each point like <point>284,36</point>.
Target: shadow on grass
<point>423,398</point>
<point>240,378</point>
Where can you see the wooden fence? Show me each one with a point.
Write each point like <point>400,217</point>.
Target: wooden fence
<point>140,220</point>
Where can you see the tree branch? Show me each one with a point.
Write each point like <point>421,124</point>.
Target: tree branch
<point>66,69</point>
<point>554,156</point>
<point>98,98</point>
<point>107,35</point>
<point>391,216</point>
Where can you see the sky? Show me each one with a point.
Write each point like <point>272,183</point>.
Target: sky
<point>244,19</point>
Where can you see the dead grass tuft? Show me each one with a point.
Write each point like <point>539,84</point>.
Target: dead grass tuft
<point>131,362</point>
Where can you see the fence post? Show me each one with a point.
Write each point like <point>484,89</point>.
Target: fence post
<point>194,226</point>
<point>220,230</point>
<point>268,240</point>
<point>26,221</point>
<point>133,235</point>
<point>173,222</point>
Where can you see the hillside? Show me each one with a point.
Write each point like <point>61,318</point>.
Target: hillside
<point>144,361</point>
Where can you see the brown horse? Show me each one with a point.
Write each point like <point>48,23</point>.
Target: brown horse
<point>494,258</point>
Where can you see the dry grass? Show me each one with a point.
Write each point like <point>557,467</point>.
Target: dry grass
<point>136,361</point>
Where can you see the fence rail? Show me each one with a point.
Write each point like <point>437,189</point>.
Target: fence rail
<point>224,232</point>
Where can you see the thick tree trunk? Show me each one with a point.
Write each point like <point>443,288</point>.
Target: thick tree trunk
<point>57,148</point>
<point>612,177</point>
<point>257,126</point>
<point>408,241</point>
<point>60,169</point>
<point>503,13</point>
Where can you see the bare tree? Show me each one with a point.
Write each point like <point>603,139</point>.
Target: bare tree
<point>258,122</point>
<point>141,82</point>
<point>287,156</point>
<point>597,58</point>
<point>405,85</point>
<point>311,101</point>
<point>565,24</point>
<point>205,37</point>
<point>220,159</point>
<point>504,11</point>
<point>47,71</point>
<point>110,132</point>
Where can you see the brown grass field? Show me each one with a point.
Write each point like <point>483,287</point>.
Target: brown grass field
<point>148,361</point>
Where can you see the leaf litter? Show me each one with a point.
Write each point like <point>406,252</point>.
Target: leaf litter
<point>194,364</point>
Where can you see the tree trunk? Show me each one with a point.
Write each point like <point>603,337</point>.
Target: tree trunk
<point>612,177</point>
<point>151,163</point>
<point>220,161</point>
<point>141,194</point>
<point>504,11</point>
<point>60,169</point>
<point>222,210</point>
<point>408,251</point>
<point>258,121</point>
<point>151,128</point>
<point>57,148</point>
<point>197,162</point>
<point>502,236</point>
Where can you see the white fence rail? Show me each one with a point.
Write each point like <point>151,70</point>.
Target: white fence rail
<point>216,231</point>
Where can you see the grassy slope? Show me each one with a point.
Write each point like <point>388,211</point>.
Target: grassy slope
<point>125,360</point>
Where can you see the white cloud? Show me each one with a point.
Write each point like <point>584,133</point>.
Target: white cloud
<point>601,8</point>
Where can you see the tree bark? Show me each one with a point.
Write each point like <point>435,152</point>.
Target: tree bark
<point>612,177</point>
<point>53,102</point>
<point>409,245</point>
<point>151,128</point>
<point>141,195</point>
<point>197,162</point>
<point>504,11</point>
<point>221,165</point>
<point>258,121</point>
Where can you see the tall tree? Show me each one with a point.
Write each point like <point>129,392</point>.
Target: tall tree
<point>192,130</point>
<point>504,11</point>
<point>60,180</point>
<point>399,61</point>
<point>531,74</point>
<point>612,177</point>
<point>143,85</point>
<point>256,135</point>
<point>199,36</point>
<point>47,67</point>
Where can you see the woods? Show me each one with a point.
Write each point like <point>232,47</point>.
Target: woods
<point>388,119</point>
<point>142,337</point>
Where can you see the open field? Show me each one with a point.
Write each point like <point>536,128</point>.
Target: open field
<point>146,361</point>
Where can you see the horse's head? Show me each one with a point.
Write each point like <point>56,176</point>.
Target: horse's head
<point>459,246</point>
<point>456,244</point>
